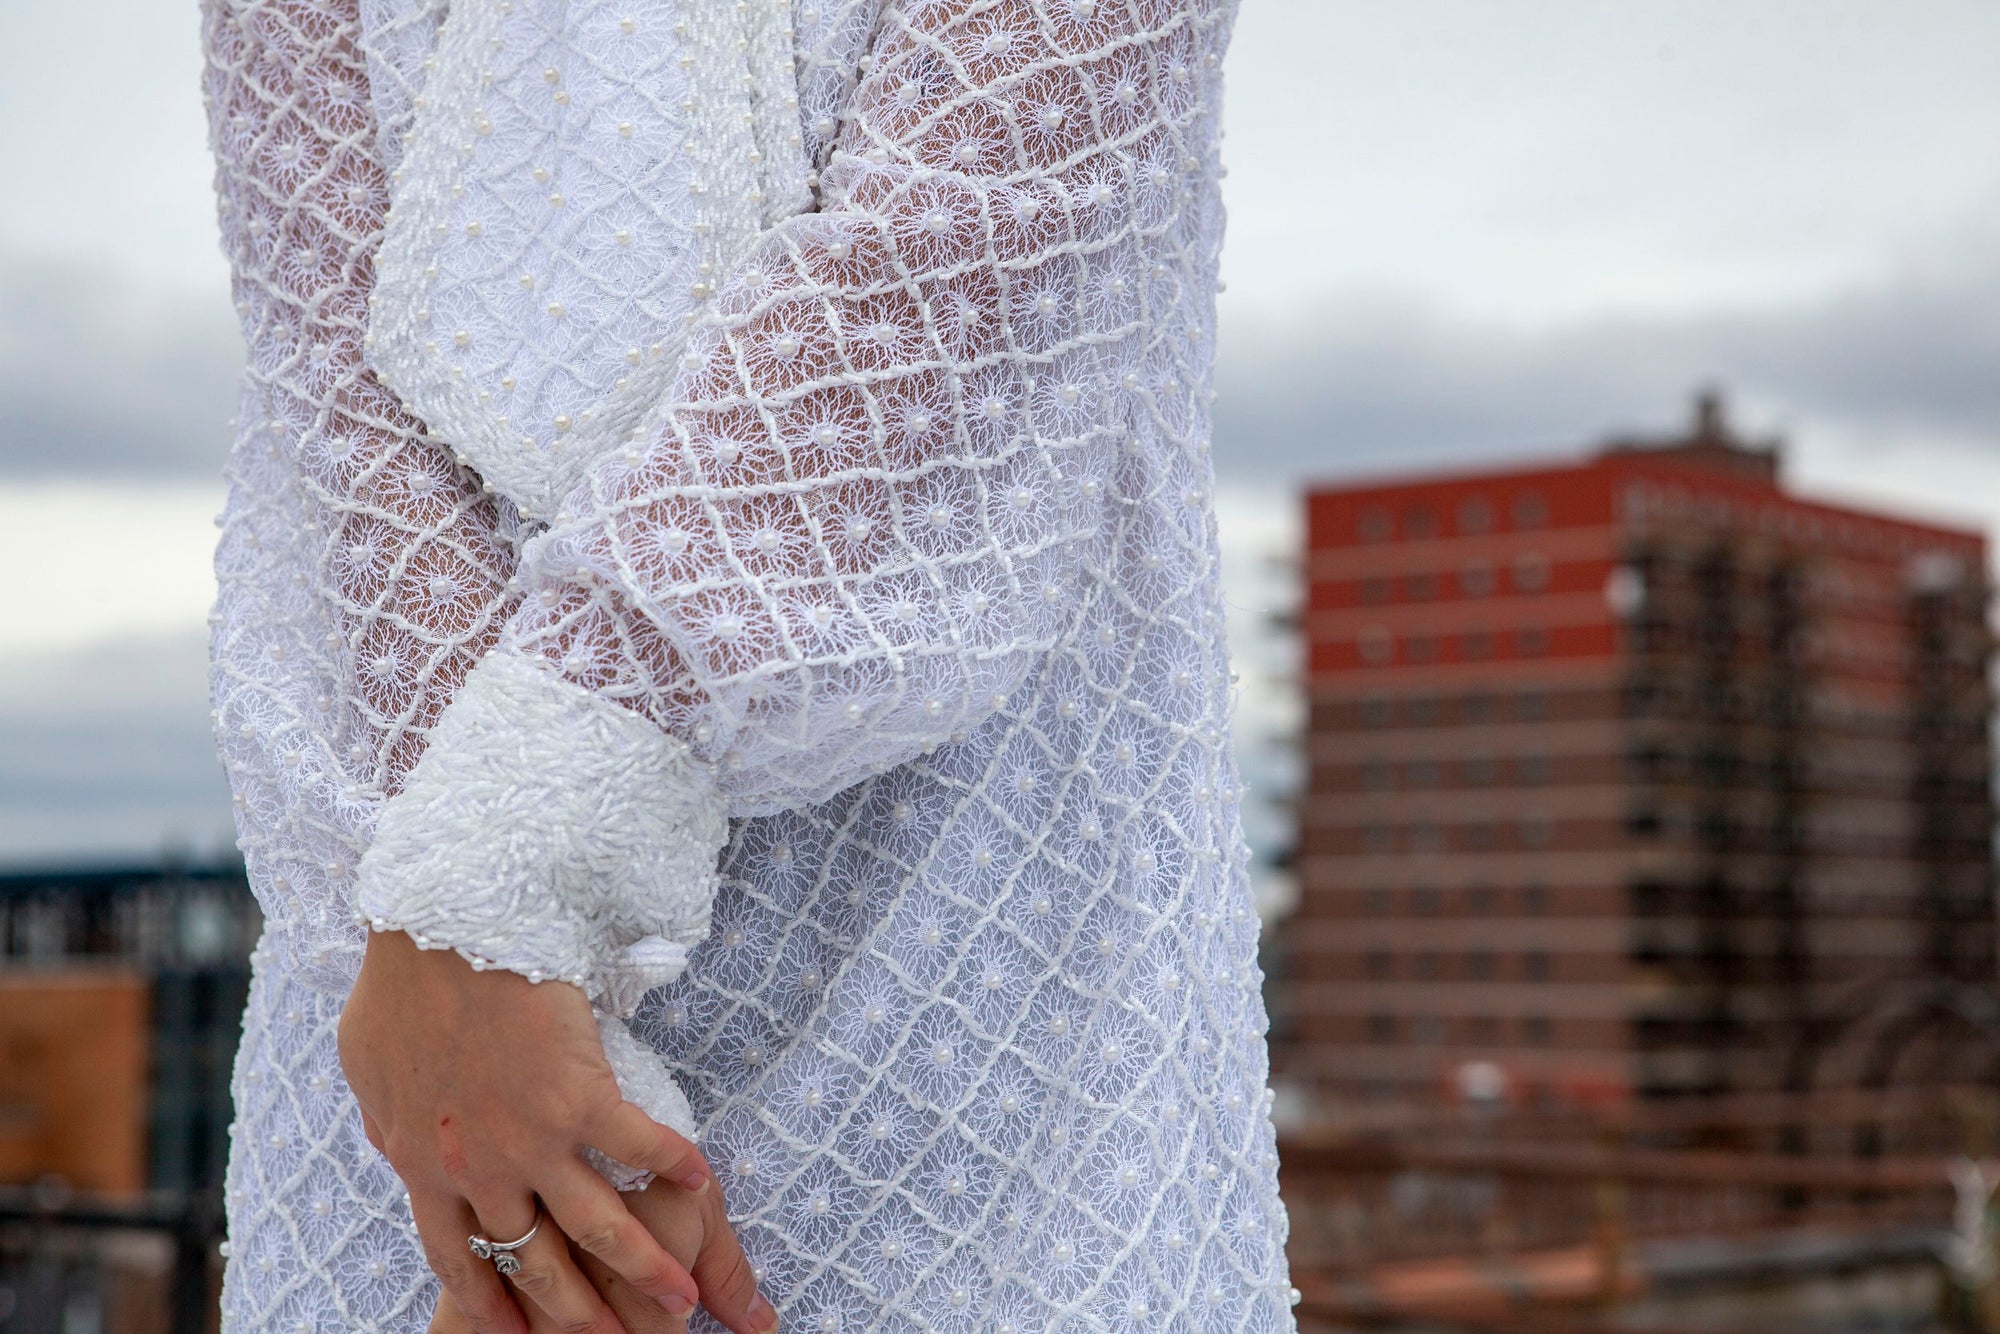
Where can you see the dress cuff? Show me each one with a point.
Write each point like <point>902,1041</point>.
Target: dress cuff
<point>552,833</point>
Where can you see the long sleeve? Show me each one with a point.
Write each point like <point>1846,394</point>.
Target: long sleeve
<point>324,688</point>
<point>905,498</point>
<point>857,522</point>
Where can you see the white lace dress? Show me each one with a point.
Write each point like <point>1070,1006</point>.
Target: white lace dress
<point>736,535</point>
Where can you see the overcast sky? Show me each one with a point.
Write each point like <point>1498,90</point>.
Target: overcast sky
<point>1459,228</point>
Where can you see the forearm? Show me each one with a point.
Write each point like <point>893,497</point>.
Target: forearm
<point>861,516</point>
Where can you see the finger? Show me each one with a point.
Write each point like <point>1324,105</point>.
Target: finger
<point>676,1221</point>
<point>637,1140</point>
<point>597,1222</point>
<point>447,1318</point>
<point>721,1270</point>
<point>470,1283</point>
<point>639,1313</point>
<point>547,1276</point>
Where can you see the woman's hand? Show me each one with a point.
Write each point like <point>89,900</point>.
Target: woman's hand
<point>698,1236</point>
<point>481,1088</point>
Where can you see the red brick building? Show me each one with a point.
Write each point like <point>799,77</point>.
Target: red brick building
<point>1636,775</point>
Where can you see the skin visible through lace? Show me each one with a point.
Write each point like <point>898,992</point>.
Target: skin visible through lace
<point>872,497</point>
<point>411,566</point>
<point>975,1043</point>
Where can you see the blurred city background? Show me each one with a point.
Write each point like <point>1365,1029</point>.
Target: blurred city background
<point>1608,433</point>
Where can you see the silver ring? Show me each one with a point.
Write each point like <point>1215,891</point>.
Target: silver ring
<point>501,1253</point>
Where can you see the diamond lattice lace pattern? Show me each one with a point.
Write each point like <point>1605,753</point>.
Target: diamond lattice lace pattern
<point>920,557</point>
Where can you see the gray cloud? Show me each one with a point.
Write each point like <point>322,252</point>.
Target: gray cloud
<point>98,374</point>
<point>1379,382</point>
<point>100,377</point>
<point>106,752</point>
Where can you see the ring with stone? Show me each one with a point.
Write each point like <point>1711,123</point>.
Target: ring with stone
<point>501,1253</point>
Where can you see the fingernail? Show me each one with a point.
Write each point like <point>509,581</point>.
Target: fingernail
<point>696,1181</point>
<point>676,1304</point>
<point>762,1318</point>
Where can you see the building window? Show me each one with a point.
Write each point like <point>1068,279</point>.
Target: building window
<point>1643,822</point>
<point>1531,641</point>
<point>1479,836</point>
<point>1480,770</point>
<point>1374,524</point>
<point>1381,1027</point>
<point>1375,899</point>
<point>1650,898</point>
<point>1475,515</point>
<point>1422,648</point>
<point>1378,775</point>
<point>1531,510</point>
<point>1375,589</point>
<point>1531,572</point>
<point>1420,587</point>
<point>1535,1028</point>
<point>1427,1030</point>
<point>1476,579</point>
<point>1535,900</point>
<point>1478,645</point>
<point>1482,1028</point>
<point>1532,705</point>
<point>1480,898</point>
<point>1478,707</point>
<point>1535,965</point>
<point>1374,644</point>
<point>1424,901</point>
<point>1381,963</point>
<point>1426,838</point>
<point>1421,710</point>
<point>1428,966</point>
<point>1537,830</point>
<point>1375,711</point>
<point>1420,521</point>
<point>1644,696</point>
<point>1377,838</point>
<point>1423,773</point>
<point>1479,965</point>
<point>1533,769</point>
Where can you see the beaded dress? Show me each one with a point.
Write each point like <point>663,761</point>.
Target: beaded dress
<point>721,514</point>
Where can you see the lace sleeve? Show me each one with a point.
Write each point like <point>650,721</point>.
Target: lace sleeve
<point>860,518</point>
<point>860,521</point>
<point>325,688</point>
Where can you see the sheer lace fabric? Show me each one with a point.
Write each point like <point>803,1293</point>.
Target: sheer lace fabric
<point>921,419</point>
<point>360,572</point>
<point>577,178</point>
<point>917,554</point>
